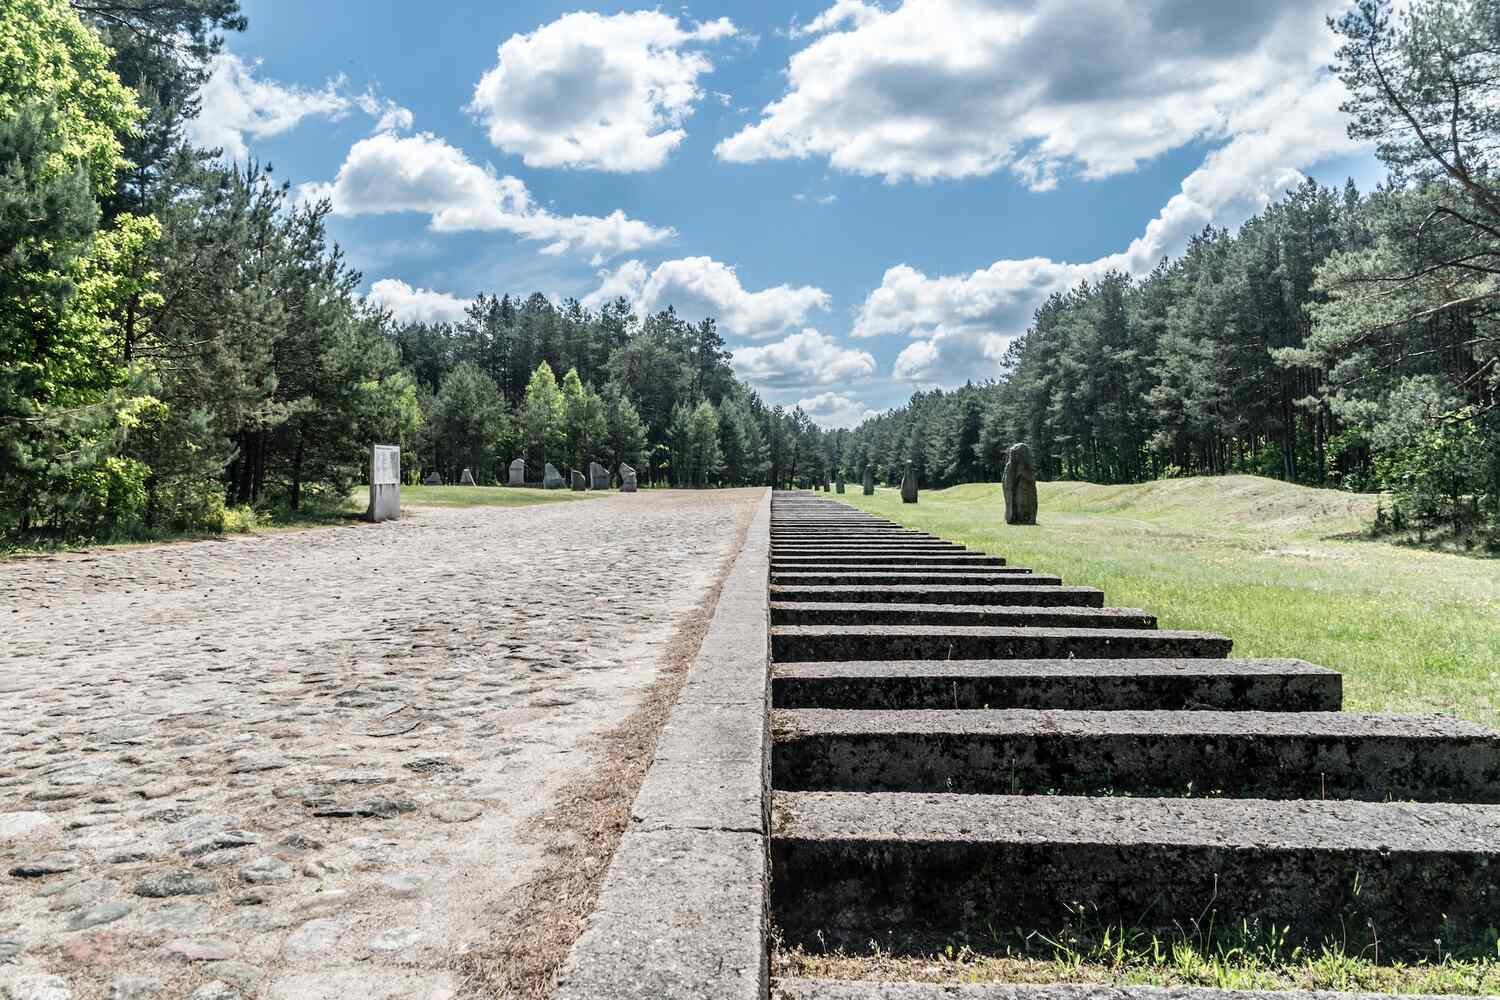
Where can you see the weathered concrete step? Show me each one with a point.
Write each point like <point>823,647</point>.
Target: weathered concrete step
<point>911,870</point>
<point>1248,755</point>
<point>872,529</point>
<point>965,560</point>
<point>1031,590</point>
<point>828,525</point>
<point>1103,685</point>
<point>832,613</point>
<point>993,575</point>
<point>867,541</point>
<point>850,548</point>
<point>804,643</point>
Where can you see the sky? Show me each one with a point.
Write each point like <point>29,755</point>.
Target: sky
<point>869,197</point>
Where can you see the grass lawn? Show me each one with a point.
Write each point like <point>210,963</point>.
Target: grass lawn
<point>1280,569</point>
<point>475,496</point>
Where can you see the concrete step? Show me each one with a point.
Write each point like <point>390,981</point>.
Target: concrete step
<point>912,871</point>
<point>1103,685</point>
<point>1247,755</point>
<point>832,613</point>
<point>854,548</point>
<point>993,575</point>
<point>968,560</point>
<point>1025,591</point>
<point>815,532</point>
<point>805,643</point>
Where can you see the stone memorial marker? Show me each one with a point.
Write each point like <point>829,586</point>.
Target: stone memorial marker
<point>909,485</point>
<point>598,477</point>
<point>1019,486</point>
<point>869,481</point>
<point>580,484</point>
<point>385,483</point>
<point>433,479</point>
<point>517,473</point>
<point>627,479</point>
<point>840,483</point>
<point>552,479</point>
<point>467,479</point>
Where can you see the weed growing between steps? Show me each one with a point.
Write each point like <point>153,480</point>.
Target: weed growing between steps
<point>1114,956</point>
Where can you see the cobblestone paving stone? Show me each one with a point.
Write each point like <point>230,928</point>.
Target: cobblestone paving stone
<point>297,766</point>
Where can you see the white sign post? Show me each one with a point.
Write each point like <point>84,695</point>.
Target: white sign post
<point>385,483</point>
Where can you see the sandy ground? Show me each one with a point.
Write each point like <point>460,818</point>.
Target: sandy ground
<point>300,766</point>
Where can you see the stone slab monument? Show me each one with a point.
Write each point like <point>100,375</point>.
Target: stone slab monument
<point>517,473</point>
<point>627,479</point>
<point>839,484</point>
<point>1019,486</point>
<point>909,485</point>
<point>385,483</point>
<point>598,477</point>
<point>580,484</point>
<point>433,479</point>
<point>552,479</point>
<point>869,481</point>
<point>467,479</point>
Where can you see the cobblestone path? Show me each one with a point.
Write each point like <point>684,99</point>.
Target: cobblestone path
<point>297,766</point>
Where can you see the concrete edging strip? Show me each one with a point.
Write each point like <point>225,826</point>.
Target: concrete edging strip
<point>682,912</point>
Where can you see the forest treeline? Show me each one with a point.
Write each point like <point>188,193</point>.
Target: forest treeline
<point>178,339</point>
<point>1336,339</point>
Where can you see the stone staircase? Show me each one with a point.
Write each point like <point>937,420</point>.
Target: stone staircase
<point>963,749</point>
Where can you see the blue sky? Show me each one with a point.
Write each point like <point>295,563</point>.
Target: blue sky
<point>871,197</point>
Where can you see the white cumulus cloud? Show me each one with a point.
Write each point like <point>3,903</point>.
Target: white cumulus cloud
<point>959,88</point>
<point>595,91</point>
<point>701,286</point>
<point>808,358</point>
<point>834,409</point>
<point>964,322</point>
<point>416,305</point>
<point>855,12</point>
<point>238,106</point>
<point>422,173</point>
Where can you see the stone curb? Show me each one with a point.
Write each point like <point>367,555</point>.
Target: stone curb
<point>682,912</point>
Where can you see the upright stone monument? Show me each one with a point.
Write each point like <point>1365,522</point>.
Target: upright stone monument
<point>467,479</point>
<point>385,483</point>
<point>909,485</point>
<point>869,481</point>
<point>598,477</point>
<point>1019,486</point>
<point>580,485</point>
<point>552,479</point>
<point>627,479</point>
<point>517,473</point>
<point>840,483</point>
<point>433,479</point>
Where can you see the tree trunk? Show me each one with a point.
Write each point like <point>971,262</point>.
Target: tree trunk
<point>297,474</point>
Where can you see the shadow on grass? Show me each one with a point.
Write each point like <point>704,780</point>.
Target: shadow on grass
<point>1444,541</point>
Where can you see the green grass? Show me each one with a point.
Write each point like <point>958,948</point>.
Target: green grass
<point>242,521</point>
<point>475,496</point>
<point>1280,569</point>
<point>1144,960</point>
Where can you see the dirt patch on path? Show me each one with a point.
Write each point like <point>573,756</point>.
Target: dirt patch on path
<point>302,766</point>
<point>582,830</point>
